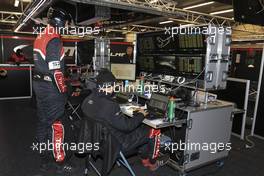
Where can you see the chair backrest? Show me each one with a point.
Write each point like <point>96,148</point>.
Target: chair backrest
<point>97,130</point>
<point>109,147</point>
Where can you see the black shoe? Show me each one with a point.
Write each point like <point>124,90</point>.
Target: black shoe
<point>160,161</point>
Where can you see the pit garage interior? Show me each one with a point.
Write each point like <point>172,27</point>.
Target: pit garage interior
<point>216,81</point>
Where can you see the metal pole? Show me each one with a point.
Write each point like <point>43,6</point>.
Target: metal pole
<point>2,49</point>
<point>258,93</point>
<point>245,109</point>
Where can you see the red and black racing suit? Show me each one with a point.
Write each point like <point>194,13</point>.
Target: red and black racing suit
<point>50,89</point>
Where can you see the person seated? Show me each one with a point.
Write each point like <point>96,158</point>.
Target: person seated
<point>18,57</point>
<point>131,133</point>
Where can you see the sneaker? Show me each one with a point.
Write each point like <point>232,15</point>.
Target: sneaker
<point>161,161</point>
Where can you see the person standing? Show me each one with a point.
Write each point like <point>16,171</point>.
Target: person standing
<point>50,89</point>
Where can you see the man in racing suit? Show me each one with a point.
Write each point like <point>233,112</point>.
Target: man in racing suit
<point>50,89</point>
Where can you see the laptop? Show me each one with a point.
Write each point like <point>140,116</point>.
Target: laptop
<point>157,106</point>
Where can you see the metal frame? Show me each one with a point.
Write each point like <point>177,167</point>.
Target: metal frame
<point>163,8</point>
<point>257,98</point>
<point>9,17</point>
<point>120,161</point>
<point>242,135</point>
<point>2,49</point>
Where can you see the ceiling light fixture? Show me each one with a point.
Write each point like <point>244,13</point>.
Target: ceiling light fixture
<point>16,3</point>
<point>199,5</point>
<point>222,11</point>
<point>153,1</point>
<point>166,22</point>
<point>185,25</point>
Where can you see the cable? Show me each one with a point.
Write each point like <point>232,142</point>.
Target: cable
<point>192,81</point>
<point>262,4</point>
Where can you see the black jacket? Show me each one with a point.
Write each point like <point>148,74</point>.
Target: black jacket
<point>103,109</point>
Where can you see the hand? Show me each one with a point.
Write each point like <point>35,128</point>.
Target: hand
<point>144,112</point>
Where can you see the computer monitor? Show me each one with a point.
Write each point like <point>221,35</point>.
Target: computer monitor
<point>192,41</point>
<point>191,64</point>
<point>145,63</point>
<point>124,71</point>
<point>165,64</point>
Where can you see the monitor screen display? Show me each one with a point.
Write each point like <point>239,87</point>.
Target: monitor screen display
<point>145,63</point>
<point>124,71</point>
<point>165,65</point>
<point>190,64</point>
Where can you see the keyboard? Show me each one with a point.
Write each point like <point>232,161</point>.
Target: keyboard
<point>154,115</point>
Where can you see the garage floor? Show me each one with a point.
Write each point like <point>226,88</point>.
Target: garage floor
<point>17,126</point>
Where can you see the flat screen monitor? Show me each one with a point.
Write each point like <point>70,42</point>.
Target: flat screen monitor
<point>124,71</point>
<point>165,65</point>
<point>192,41</point>
<point>187,65</point>
<point>190,64</point>
<point>145,63</point>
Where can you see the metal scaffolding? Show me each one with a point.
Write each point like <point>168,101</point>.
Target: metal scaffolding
<point>166,8</point>
<point>9,17</point>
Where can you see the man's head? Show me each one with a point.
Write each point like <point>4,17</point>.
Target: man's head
<point>129,50</point>
<point>105,81</point>
<point>57,17</point>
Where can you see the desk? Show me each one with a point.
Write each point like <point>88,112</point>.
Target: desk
<point>208,123</point>
<point>155,123</point>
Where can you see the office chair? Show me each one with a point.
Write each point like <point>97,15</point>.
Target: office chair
<point>121,161</point>
<point>108,150</point>
<point>74,105</point>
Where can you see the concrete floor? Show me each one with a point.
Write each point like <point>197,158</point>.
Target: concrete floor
<point>17,126</point>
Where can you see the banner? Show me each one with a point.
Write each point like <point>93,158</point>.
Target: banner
<point>12,43</point>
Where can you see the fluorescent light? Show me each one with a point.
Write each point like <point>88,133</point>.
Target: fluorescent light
<point>186,25</point>
<point>153,1</point>
<point>16,3</point>
<point>166,22</point>
<point>222,11</point>
<point>199,5</point>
